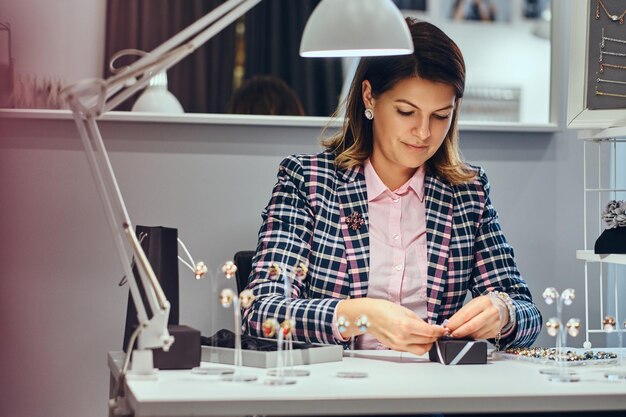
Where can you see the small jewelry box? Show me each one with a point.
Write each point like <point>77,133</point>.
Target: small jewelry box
<point>450,351</point>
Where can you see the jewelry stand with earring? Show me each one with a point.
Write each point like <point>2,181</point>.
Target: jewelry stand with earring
<point>200,271</point>
<point>610,324</point>
<point>283,331</point>
<point>245,299</point>
<point>300,274</point>
<point>362,323</point>
<point>556,328</point>
<point>271,327</point>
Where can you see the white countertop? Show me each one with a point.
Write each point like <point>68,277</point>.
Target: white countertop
<point>396,383</point>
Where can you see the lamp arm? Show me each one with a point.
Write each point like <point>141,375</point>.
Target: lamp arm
<point>88,100</point>
<point>154,332</point>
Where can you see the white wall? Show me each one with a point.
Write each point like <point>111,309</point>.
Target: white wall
<point>56,38</point>
<point>59,300</point>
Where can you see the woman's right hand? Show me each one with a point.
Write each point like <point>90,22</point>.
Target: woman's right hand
<point>391,324</point>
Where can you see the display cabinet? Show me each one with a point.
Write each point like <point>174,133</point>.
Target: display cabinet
<point>601,170</point>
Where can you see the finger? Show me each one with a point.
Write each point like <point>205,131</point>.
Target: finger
<point>468,312</point>
<point>487,334</point>
<point>408,334</point>
<point>476,325</point>
<point>465,314</point>
<point>429,331</point>
<point>419,349</point>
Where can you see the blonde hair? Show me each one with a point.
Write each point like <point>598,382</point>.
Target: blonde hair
<point>436,58</point>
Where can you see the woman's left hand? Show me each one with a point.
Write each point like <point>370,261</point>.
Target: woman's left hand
<point>478,319</point>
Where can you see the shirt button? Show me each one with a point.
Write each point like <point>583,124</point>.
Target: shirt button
<point>396,236</point>
<point>399,267</point>
<point>395,200</point>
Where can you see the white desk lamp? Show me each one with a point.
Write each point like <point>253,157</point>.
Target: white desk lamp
<point>351,26</point>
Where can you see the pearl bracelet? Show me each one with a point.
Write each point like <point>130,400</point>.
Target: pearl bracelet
<point>509,306</point>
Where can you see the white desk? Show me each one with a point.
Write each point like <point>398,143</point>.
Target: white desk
<point>397,383</point>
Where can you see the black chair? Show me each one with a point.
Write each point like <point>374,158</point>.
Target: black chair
<point>243,261</point>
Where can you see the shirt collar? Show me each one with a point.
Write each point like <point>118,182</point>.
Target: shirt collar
<point>376,187</point>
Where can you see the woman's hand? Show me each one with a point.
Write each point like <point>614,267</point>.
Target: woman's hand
<point>478,319</point>
<point>391,324</point>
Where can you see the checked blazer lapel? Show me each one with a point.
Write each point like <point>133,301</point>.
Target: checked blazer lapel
<point>438,229</point>
<point>353,212</point>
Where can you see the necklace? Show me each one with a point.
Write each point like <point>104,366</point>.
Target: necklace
<point>612,17</point>
<point>602,93</point>
<point>606,38</point>
<point>602,80</point>
<point>604,64</point>
<point>602,53</point>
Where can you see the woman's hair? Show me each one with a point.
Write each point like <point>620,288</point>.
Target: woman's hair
<point>436,58</point>
<point>265,94</point>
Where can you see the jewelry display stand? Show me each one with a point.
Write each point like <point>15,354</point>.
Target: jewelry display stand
<point>289,370</point>
<point>596,193</point>
<point>278,375</point>
<point>228,298</point>
<point>201,271</point>
<point>606,323</point>
<point>556,328</point>
<point>343,324</point>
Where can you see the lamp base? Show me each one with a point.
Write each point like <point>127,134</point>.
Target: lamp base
<point>184,352</point>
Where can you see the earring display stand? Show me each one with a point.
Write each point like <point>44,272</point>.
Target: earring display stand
<point>289,370</point>
<point>277,375</point>
<point>559,373</point>
<point>615,375</point>
<point>228,298</point>
<point>214,370</point>
<point>362,323</point>
<point>238,376</point>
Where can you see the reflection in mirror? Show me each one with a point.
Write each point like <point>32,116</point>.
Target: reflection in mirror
<point>265,41</point>
<point>506,44</point>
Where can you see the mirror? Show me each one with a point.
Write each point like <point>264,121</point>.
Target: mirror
<point>506,45</point>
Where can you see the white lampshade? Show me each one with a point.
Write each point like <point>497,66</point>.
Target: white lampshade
<point>157,99</point>
<point>355,28</point>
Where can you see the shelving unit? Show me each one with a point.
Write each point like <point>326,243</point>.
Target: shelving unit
<point>598,193</point>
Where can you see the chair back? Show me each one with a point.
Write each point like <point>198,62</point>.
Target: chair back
<point>243,261</point>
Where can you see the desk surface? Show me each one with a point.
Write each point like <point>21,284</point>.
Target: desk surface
<point>397,383</point>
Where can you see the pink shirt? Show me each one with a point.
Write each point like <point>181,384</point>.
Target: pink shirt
<point>398,249</point>
<point>397,234</point>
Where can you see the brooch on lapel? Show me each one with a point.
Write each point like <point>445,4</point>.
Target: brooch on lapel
<point>355,220</point>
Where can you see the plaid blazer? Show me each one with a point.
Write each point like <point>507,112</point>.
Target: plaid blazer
<point>305,222</point>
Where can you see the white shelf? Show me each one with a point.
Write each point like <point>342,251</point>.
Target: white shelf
<point>589,256</point>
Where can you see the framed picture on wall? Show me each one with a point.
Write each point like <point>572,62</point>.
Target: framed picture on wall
<point>597,69</point>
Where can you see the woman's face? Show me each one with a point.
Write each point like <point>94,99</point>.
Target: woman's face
<point>410,123</point>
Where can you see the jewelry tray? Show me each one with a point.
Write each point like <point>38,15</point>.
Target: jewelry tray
<point>546,361</point>
<point>268,359</point>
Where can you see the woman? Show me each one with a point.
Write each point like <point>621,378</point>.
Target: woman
<point>390,223</point>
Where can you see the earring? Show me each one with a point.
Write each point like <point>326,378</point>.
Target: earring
<point>552,326</point>
<point>573,327</point>
<point>363,323</point>
<point>550,295</point>
<point>568,296</point>
<point>369,114</point>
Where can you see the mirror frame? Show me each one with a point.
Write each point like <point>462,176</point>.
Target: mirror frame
<point>558,59</point>
<point>579,116</point>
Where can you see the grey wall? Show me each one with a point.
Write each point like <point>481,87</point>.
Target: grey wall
<point>59,300</point>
